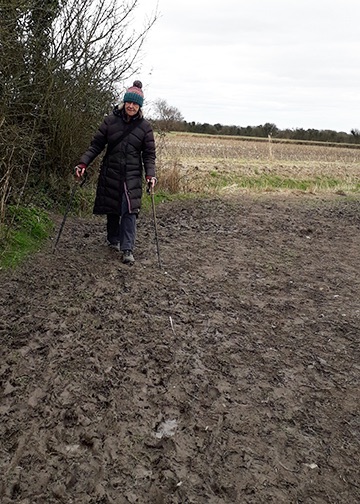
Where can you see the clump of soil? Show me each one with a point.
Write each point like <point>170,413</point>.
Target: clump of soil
<point>231,375</point>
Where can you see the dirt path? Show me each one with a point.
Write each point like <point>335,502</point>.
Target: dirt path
<point>231,376</point>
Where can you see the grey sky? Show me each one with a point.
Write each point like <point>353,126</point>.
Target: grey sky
<point>295,63</point>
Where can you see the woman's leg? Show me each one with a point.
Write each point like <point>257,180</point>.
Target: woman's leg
<point>127,227</point>
<point>113,228</point>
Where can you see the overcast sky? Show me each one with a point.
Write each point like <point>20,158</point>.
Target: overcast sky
<point>295,63</point>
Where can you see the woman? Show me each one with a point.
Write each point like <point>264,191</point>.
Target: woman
<point>130,143</point>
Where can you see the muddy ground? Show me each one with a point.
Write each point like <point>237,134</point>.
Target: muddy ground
<point>229,376</point>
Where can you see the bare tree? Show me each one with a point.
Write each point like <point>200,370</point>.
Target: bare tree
<point>94,38</point>
<point>166,117</point>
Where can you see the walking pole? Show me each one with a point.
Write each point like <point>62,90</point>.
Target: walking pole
<point>73,191</point>
<point>150,191</point>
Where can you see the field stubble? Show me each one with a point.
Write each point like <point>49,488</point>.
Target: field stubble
<point>199,163</point>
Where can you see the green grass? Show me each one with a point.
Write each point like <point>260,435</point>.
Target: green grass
<point>161,196</point>
<point>219,181</point>
<point>26,230</point>
<point>146,202</point>
<point>83,201</point>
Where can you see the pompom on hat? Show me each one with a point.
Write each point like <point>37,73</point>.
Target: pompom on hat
<point>134,94</point>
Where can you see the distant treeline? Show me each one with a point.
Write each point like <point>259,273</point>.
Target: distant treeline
<point>265,130</point>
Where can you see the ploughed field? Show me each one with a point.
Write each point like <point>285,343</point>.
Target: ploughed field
<point>232,163</point>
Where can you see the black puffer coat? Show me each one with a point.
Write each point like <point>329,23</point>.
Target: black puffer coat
<point>123,164</point>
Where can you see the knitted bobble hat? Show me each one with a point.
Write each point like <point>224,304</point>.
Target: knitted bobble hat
<point>134,94</point>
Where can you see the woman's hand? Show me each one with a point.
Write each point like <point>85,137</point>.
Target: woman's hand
<point>80,170</point>
<point>151,181</point>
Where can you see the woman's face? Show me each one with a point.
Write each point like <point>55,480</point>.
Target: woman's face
<point>131,108</point>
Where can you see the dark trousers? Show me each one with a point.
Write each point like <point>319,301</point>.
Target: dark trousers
<point>122,228</point>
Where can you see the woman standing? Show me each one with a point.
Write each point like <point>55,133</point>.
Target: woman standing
<point>130,150</point>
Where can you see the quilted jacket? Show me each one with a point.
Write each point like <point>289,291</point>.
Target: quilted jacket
<point>124,163</point>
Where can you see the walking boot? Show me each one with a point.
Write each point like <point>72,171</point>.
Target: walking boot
<point>128,257</point>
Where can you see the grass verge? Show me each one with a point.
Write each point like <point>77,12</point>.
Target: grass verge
<point>26,230</point>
